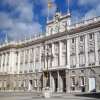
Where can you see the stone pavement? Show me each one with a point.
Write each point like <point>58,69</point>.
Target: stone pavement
<point>54,97</point>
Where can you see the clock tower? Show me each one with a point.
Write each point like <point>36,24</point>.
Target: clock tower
<point>58,24</point>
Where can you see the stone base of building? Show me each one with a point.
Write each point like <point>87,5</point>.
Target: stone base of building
<point>64,80</point>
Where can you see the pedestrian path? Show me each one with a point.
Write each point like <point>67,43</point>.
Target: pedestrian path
<point>38,96</point>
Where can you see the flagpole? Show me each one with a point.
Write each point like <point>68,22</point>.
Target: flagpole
<point>48,10</point>
<point>68,10</point>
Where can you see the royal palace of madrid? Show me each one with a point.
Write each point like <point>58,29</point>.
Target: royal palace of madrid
<point>66,58</point>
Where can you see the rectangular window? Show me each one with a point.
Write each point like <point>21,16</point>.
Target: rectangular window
<point>92,58</point>
<point>73,81</point>
<point>73,40</point>
<point>91,36</point>
<point>56,48</point>
<point>73,61</point>
<point>31,55</point>
<point>64,59</point>
<point>81,60</point>
<point>81,38</point>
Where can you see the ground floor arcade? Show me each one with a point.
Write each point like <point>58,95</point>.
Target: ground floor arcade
<point>62,80</point>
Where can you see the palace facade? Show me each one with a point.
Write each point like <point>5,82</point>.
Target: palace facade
<point>66,58</point>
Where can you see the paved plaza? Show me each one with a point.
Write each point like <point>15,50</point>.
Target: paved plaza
<point>30,96</point>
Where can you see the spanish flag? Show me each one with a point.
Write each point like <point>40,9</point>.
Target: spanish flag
<point>50,4</point>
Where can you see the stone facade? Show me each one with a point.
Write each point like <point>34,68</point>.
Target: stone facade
<point>67,58</point>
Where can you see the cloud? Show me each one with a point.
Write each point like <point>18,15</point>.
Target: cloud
<point>45,10</point>
<point>91,8</point>
<point>5,21</point>
<point>19,23</point>
<point>93,12</point>
<point>22,30</point>
<point>88,2</point>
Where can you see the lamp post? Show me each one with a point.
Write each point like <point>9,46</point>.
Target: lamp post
<point>46,56</point>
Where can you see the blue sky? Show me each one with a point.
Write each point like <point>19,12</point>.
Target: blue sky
<point>24,18</point>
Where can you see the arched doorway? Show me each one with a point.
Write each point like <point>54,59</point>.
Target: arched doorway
<point>54,81</point>
<point>64,84</point>
<point>56,84</point>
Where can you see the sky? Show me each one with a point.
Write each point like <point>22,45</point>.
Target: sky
<point>23,19</point>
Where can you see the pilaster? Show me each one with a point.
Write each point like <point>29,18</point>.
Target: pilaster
<point>5,64</point>
<point>60,53</point>
<point>86,50</point>
<point>68,53</point>
<point>53,54</point>
<point>77,52</point>
<point>60,81</point>
<point>96,48</point>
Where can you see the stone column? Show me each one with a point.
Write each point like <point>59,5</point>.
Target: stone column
<point>7,64</point>
<point>77,52</point>
<point>60,81</point>
<point>52,83</point>
<point>68,81</point>
<point>53,54</point>
<point>86,50</point>
<point>60,53</point>
<point>12,61</point>
<point>44,81</point>
<point>23,60</point>
<point>50,80</point>
<point>19,61</point>
<point>40,59</point>
<point>96,48</point>
<point>29,64</point>
<point>5,68</point>
<point>58,77</point>
<point>68,53</point>
<point>2,63</point>
<point>34,59</point>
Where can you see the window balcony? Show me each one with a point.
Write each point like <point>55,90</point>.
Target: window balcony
<point>72,54</point>
<point>91,64</point>
<point>73,66</point>
<point>82,65</point>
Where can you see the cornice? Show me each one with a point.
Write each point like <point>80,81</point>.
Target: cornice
<point>50,37</point>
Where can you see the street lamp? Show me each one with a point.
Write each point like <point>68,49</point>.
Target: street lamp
<point>47,56</point>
